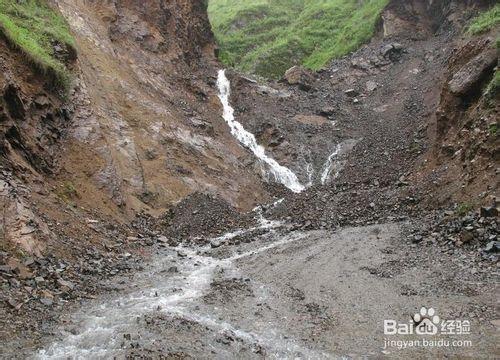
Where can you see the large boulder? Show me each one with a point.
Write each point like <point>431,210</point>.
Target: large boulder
<point>297,75</point>
<point>470,76</point>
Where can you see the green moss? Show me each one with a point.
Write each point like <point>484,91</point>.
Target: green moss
<point>493,129</point>
<point>485,21</point>
<point>463,209</point>
<point>269,36</point>
<point>34,27</point>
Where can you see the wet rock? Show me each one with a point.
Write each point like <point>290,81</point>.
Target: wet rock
<point>297,75</point>
<point>173,269</point>
<point>215,243</point>
<point>417,239</point>
<point>489,212</point>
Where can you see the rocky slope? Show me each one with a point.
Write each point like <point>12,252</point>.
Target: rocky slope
<point>380,136</point>
<point>140,129</point>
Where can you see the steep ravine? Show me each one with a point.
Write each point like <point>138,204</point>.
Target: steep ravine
<point>170,209</point>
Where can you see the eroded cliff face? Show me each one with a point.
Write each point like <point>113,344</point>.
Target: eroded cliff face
<point>141,128</point>
<point>419,19</point>
<point>148,105</point>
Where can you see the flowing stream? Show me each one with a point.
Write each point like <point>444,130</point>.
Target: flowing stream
<point>281,173</point>
<point>101,327</point>
<point>325,175</point>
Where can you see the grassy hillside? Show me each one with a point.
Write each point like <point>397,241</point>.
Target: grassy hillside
<point>485,21</point>
<point>482,23</point>
<point>269,36</point>
<point>34,27</point>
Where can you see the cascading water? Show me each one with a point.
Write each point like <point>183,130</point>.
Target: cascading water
<point>329,164</point>
<point>281,174</point>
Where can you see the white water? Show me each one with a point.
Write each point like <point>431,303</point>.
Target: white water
<point>325,176</point>
<point>281,174</point>
<point>102,326</point>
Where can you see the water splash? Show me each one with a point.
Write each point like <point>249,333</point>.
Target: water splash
<point>280,173</point>
<point>325,176</point>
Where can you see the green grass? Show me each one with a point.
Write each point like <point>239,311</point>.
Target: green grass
<point>485,21</point>
<point>267,37</point>
<point>34,27</point>
<point>463,209</point>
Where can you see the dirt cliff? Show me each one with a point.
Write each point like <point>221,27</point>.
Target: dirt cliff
<point>140,129</point>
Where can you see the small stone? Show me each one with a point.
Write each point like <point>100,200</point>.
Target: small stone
<point>12,303</point>
<point>5,268</point>
<point>46,298</point>
<point>492,246</point>
<point>65,285</point>
<point>215,243</point>
<point>351,93</point>
<point>42,100</point>
<point>326,111</point>
<point>14,282</point>
<point>29,261</point>
<point>467,236</point>
<point>487,212</point>
<point>162,239</point>
<point>173,269</point>
<point>417,238</point>
<point>300,76</point>
<point>371,85</point>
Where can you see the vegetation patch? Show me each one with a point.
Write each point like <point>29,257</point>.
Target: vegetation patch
<point>37,29</point>
<point>267,37</point>
<point>485,21</point>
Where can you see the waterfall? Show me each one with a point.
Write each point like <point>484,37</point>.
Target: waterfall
<point>281,174</point>
<point>325,176</point>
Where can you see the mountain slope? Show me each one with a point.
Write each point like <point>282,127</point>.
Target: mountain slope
<point>269,36</point>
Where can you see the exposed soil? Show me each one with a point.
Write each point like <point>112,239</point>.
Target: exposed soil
<point>127,229</point>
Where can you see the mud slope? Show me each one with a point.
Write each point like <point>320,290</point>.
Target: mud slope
<point>147,109</point>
